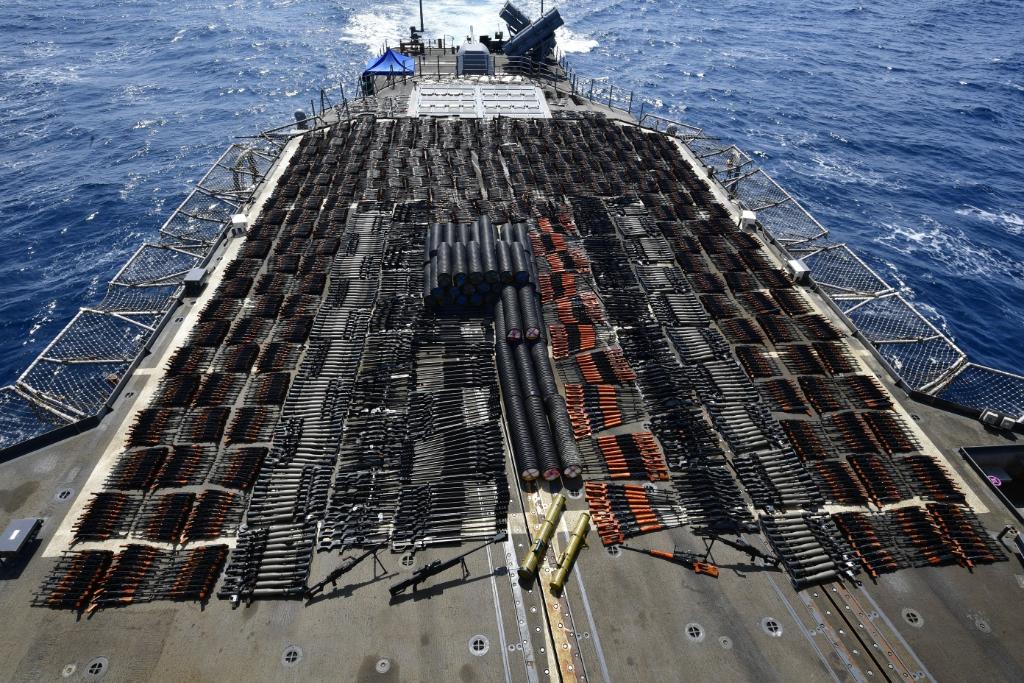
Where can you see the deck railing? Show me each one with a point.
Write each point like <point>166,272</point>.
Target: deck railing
<point>76,379</point>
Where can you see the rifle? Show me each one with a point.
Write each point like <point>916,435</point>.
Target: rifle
<point>691,561</point>
<point>744,547</point>
<point>438,566</point>
<point>347,565</point>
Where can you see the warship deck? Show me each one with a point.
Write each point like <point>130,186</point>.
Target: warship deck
<point>623,615</point>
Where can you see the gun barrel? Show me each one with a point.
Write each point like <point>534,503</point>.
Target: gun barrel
<point>438,566</point>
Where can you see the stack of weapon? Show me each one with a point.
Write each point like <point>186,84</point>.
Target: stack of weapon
<point>95,579</point>
<point>597,407</point>
<point>270,562</point>
<point>542,436</point>
<point>941,534</point>
<point>163,519</point>
<point>634,455</point>
<point>73,581</point>
<point>809,547</point>
<point>573,338</point>
<point>107,515</point>
<point>873,542</point>
<point>215,514</point>
<point>929,479</point>
<point>621,511</point>
<point>468,264</point>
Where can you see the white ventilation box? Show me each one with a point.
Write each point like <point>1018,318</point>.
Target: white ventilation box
<point>239,225</point>
<point>799,270</point>
<point>748,219</point>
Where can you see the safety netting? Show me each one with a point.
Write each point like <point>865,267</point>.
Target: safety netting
<point>842,273</point>
<point>77,375</point>
<point>981,388</point>
<point>22,418</point>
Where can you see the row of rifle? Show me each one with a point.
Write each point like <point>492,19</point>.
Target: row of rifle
<point>175,518</point>
<point>94,579</point>
<point>937,534</point>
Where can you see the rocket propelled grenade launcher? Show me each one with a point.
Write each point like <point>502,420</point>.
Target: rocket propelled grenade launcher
<point>568,559</point>
<point>528,569</point>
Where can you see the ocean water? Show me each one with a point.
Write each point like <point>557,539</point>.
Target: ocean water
<point>898,124</point>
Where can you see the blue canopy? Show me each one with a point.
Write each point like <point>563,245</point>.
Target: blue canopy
<point>391,63</point>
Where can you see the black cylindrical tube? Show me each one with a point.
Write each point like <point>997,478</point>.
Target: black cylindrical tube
<point>513,319</point>
<point>450,233</point>
<point>459,275</point>
<point>465,232</point>
<point>436,290</point>
<point>515,413</point>
<point>489,262</point>
<point>444,265</point>
<point>529,309</point>
<point>527,377</point>
<point>522,443</point>
<point>504,262</point>
<point>520,266</point>
<point>542,366</point>
<point>486,229</point>
<point>434,238</point>
<point>522,235</point>
<point>474,231</point>
<point>474,263</point>
<point>499,325</point>
<point>565,440</point>
<point>543,441</point>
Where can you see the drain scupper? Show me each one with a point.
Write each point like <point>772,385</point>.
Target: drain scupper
<point>96,668</point>
<point>912,617</point>
<point>772,627</point>
<point>479,645</point>
<point>292,655</point>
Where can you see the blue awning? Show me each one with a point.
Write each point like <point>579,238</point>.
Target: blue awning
<point>391,63</point>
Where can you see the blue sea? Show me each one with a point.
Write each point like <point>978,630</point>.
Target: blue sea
<point>898,124</point>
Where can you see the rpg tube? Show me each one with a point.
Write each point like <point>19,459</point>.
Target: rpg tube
<point>528,569</point>
<point>579,535</point>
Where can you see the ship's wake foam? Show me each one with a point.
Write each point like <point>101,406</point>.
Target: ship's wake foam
<point>456,19</point>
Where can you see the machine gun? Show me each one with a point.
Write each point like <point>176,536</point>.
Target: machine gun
<point>438,566</point>
<point>691,561</point>
<point>347,565</point>
<point>744,547</point>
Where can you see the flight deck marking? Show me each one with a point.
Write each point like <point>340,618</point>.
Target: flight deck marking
<point>593,626</point>
<point>803,629</point>
<point>529,659</point>
<point>899,636</point>
<point>497,614</point>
